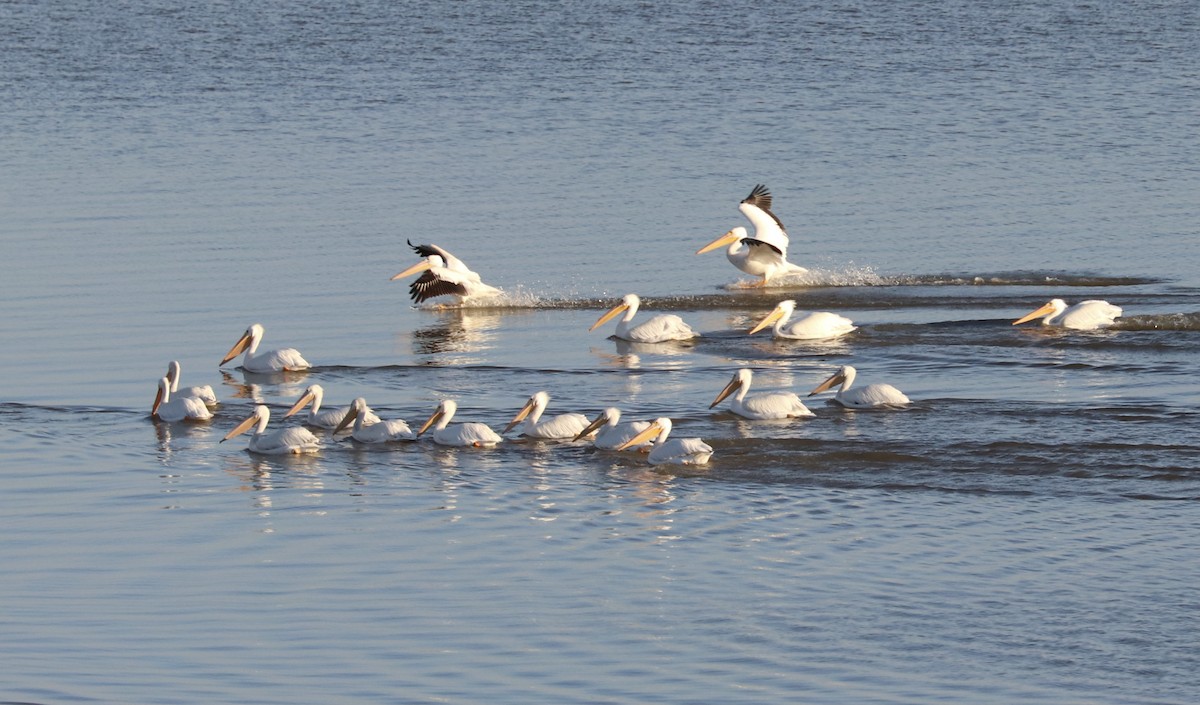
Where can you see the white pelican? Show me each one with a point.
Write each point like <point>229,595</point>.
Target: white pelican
<point>659,329</point>
<point>561,426</point>
<point>765,405</point>
<point>377,432</point>
<point>168,408</point>
<point>765,253</point>
<point>866,397</point>
<point>282,360</point>
<point>1085,315</point>
<point>463,434</point>
<point>817,325</point>
<point>674,451</point>
<point>204,393</point>
<point>293,440</point>
<point>611,434</point>
<point>328,418</point>
<point>445,275</point>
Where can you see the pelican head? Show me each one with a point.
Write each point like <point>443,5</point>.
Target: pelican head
<point>315,393</point>
<point>260,417</point>
<point>162,395</point>
<point>610,416</point>
<point>629,302</point>
<point>441,416</point>
<point>656,428</point>
<point>358,407</point>
<point>536,405</point>
<point>1051,308</point>
<point>734,235</point>
<point>741,380</point>
<point>249,340</point>
<point>783,311</point>
<point>844,376</point>
<point>427,263</point>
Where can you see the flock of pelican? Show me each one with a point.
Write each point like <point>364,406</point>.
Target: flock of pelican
<point>763,255</point>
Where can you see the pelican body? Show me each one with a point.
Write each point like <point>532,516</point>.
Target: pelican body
<point>169,408</point>
<point>377,432</point>
<point>561,426</point>
<point>1085,315</point>
<point>670,451</point>
<point>444,275</point>
<point>765,253</point>
<point>463,434</point>
<point>281,360</point>
<point>204,393</point>
<point>658,329</point>
<point>817,325</point>
<point>765,405</point>
<point>325,418</point>
<point>868,397</point>
<point>294,440</point>
<point>611,434</point>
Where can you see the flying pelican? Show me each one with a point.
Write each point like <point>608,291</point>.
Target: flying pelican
<point>866,397</point>
<point>659,329</point>
<point>561,426</point>
<point>168,408</point>
<point>377,432</point>
<point>611,434</point>
<point>329,418</point>
<point>282,360</point>
<point>204,392</point>
<point>445,275</point>
<point>765,254</point>
<point>817,325</point>
<point>766,405</point>
<point>675,451</point>
<point>463,434</point>
<point>1085,315</point>
<point>293,440</point>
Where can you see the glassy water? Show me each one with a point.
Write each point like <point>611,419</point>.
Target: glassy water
<point>1022,532</point>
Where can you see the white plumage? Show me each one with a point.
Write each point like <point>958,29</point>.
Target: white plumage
<point>281,360</point>
<point>444,275</point>
<point>661,328</point>
<point>611,434</point>
<point>204,392</point>
<point>764,405</point>
<point>293,440</point>
<point>815,325</point>
<point>170,408</point>
<point>324,418</point>
<point>670,451</point>
<point>560,426</point>
<point>870,396</point>
<point>763,254</point>
<point>1085,315</point>
<point>379,431</point>
<point>462,434</point>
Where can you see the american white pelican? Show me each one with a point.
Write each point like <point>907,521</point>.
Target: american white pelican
<point>866,397</point>
<point>168,408</point>
<point>445,275</point>
<point>765,253</point>
<point>658,329</point>
<point>561,426</point>
<point>204,393</point>
<point>293,440</point>
<point>281,360</point>
<point>674,451</point>
<point>327,418</point>
<point>377,432</point>
<point>817,325</point>
<point>611,434</point>
<point>1085,315</point>
<point>765,405</point>
<point>463,434</point>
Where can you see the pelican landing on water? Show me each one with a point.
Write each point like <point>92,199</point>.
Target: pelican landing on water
<point>1085,315</point>
<point>444,275</point>
<point>763,254</point>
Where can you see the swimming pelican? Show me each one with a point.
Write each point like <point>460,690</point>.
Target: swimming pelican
<point>817,325</point>
<point>329,418</point>
<point>168,408</point>
<point>445,275</point>
<point>377,432</point>
<point>293,440</point>
<point>1085,315</point>
<point>561,426</point>
<point>765,405</point>
<point>463,434</point>
<point>658,329</point>
<point>204,392</point>
<point>674,451</point>
<point>282,360</point>
<point>611,434</point>
<point>765,253</point>
<point>866,397</point>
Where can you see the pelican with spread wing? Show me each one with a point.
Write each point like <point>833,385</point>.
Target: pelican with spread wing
<point>443,275</point>
<point>763,254</point>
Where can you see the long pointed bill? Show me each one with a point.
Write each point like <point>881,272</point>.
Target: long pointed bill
<point>158,397</point>
<point>651,432</point>
<point>616,310</point>
<point>730,388</point>
<point>771,318</point>
<point>304,399</point>
<point>240,428</point>
<point>238,348</point>
<point>1036,314</point>
<point>432,420</point>
<point>835,378</point>
<point>725,239</point>
<point>520,416</point>
<point>418,267</point>
<point>347,419</point>
<point>595,424</point>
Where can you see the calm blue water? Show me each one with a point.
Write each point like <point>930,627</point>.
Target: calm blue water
<point>1024,532</point>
